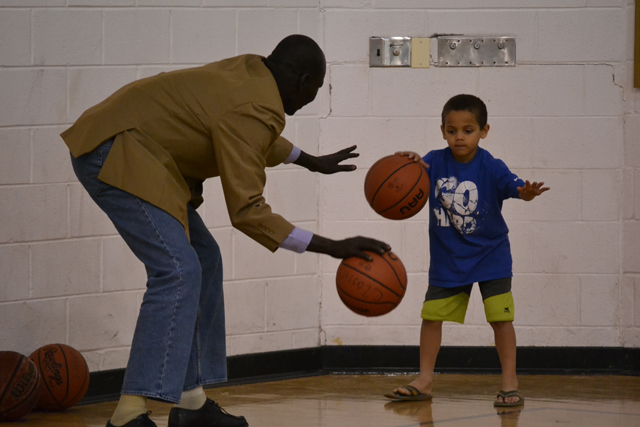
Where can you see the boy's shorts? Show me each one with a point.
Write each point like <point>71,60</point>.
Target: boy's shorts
<point>450,304</point>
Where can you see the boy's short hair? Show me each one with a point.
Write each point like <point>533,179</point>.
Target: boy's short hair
<point>469,103</point>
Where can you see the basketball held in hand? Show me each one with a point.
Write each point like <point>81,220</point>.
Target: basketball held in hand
<point>396,187</point>
<point>372,288</point>
<point>65,376</point>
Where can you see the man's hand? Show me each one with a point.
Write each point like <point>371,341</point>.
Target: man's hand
<point>330,163</point>
<point>347,248</point>
<point>531,189</point>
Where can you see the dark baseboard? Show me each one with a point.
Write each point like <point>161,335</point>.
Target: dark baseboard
<point>278,365</point>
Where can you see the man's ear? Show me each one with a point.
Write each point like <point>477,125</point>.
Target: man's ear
<point>303,81</point>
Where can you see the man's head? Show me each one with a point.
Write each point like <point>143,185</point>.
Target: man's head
<point>298,66</point>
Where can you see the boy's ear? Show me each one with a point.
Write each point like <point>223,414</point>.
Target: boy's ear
<point>484,132</point>
<point>442,129</point>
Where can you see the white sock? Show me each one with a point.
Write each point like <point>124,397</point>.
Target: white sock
<point>192,399</point>
<point>129,408</point>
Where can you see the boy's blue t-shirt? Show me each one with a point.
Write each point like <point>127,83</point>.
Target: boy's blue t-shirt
<point>468,237</point>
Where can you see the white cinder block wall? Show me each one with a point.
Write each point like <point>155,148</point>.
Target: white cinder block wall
<point>567,114</point>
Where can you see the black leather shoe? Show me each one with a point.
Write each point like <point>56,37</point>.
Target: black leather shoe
<point>141,421</point>
<point>210,415</point>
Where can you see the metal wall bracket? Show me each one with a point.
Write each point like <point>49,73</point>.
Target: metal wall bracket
<point>390,52</point>
<point>476,51</point>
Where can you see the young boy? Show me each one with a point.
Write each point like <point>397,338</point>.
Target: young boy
<point>468,243</point>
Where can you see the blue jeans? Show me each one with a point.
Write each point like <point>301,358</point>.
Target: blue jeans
<point>179,340</point>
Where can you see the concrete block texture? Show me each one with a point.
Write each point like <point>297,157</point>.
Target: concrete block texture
<point>199,36</point>
<point>51,158</point>
<point>15,282</point>
<point>245,307</point>
<point>599,300</point>
<point>292,304</point>
<point>406,92</point>
<point>355,100</point>
<point>15,163</point>
<point>561,203</point>
<point>546,300</point>
<point>28,325</point>
<point>576,247</point>
<point>566,114</point>
<point>508,91</point>
<point>252,22</point>
<point>38,96</point>
<point>139,36</point>
<point>15,33</point>
<point>635,198</point>
<point>636,302</point>
<point>36,212</point>
<point>293,194</point>
<point>506,22</point>
<point>592,143</point>
<point>89,86</point>
<point>581,35</point>
<point>53,275</point>
<point>602,191</point>
<point>121,270</point>
<point>102,321</point>
<point>632,141</point>
<point>269,341</point>
<point>56,41</point>
<point>251,261</point>
<point>347,32</point>
<point>85,217</point>
<point>631,246</point>
<point>628,204</point>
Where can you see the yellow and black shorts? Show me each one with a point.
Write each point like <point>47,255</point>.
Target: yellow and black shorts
<point>450,304</point>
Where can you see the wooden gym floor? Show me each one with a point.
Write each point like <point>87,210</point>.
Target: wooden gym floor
<point>357,400</point>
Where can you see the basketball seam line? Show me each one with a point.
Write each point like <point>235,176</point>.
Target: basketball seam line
<point>33,390</point>
<point>66,364</point>
<point>44,381</point>
<point>80,390</point>
<point>381,284</point>
<point>13,375</point>
<point>368,302</point>
<point>387,179</point>
<point>394,272</point>
<point>405,196</point>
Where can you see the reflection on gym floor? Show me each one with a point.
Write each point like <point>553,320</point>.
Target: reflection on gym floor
<point>357,400</point>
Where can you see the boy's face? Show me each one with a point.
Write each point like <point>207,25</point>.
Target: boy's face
<point>463,134</point>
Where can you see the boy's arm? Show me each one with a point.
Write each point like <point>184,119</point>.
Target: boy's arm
<point>531,189</point>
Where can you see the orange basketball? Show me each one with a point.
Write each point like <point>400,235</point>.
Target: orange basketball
<point>20,385</point>
<point>65,376</point>
<point>396,187</point>
<point>372,288</point>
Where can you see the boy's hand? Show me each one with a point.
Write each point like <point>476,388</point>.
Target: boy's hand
<point>531,189</point>
<point>330,163</point>
<point>413,156</point>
